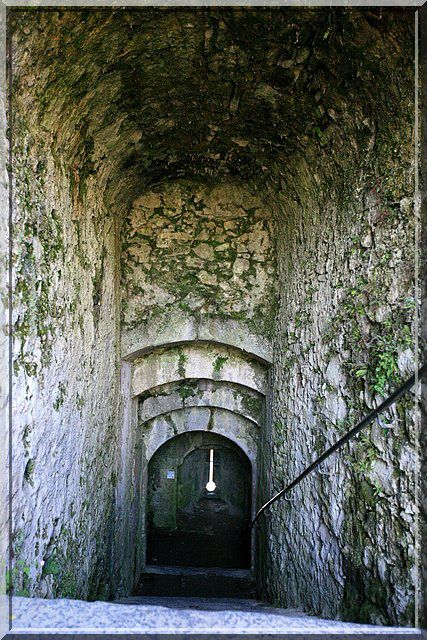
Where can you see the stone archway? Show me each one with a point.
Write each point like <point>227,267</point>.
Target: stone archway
<point>192,523</point>
<point>175,389</point>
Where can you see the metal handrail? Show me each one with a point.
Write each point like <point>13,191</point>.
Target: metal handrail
<point>396,395</point>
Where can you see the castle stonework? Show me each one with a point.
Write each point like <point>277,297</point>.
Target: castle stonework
<point>214,251</point>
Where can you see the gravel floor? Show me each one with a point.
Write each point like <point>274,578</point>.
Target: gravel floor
<point>174,615</point>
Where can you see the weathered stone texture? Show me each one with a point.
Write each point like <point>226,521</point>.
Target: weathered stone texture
<point>191,362</point>
<point>238,429</point>
<point>175,172</point>
<point>190,393</point>
<point>203,250</point>
<point>65,382</point>
<point>344,543</point>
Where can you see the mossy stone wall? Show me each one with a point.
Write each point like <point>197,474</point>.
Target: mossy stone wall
<point>65,381</point>
<point>344,542</point>
<point>206,249</point>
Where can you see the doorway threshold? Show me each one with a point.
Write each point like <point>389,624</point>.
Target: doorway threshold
<point>209,582</point>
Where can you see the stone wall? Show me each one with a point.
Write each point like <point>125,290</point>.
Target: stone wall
<point>4,338</point>
<point>196,250</point>
<point>344,542</point>
<point>65,375</point>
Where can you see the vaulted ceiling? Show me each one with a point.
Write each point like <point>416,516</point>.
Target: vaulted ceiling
<point>139,96</point>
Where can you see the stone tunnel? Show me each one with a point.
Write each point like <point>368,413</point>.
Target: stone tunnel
<point>214,251</point>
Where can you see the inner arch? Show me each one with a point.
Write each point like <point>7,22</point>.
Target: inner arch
<point>189,525</point>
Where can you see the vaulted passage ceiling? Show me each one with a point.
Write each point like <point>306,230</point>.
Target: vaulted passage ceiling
<point>241,179</point>
<point>145,96</point>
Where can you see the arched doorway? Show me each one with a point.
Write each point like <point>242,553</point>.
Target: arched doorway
<point>199,503</point>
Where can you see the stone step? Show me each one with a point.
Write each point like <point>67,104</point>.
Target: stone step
<point>196,582</point>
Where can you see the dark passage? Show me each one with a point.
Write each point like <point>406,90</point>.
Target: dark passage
<point>189,525</point>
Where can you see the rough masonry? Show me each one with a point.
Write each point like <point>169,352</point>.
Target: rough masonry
<point>219,179</point>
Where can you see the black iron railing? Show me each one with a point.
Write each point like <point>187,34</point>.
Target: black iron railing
<point>394,397</point>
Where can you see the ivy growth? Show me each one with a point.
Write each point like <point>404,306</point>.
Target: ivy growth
<point>218,364</point>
